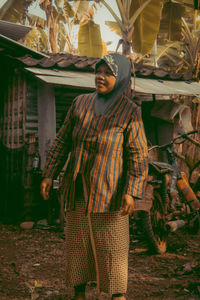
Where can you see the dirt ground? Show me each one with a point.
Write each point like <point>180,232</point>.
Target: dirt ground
<point>33,266</point>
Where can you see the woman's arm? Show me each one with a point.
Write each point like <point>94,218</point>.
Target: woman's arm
<point>136,156</point>
<point>60,149</point>
<point>58,154</point>
<point>45,188</point>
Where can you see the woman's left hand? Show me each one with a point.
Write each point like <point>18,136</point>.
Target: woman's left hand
<point>127,205</point>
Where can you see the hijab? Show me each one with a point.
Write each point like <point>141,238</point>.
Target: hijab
<point>121,69</point>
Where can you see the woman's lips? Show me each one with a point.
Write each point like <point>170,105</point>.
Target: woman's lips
<point>100,83</point>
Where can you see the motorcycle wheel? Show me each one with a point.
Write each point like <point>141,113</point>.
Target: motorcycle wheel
<point>154,226</point>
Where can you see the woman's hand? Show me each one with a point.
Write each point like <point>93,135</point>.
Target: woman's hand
<point>45,188</point>
<point>127,205</point>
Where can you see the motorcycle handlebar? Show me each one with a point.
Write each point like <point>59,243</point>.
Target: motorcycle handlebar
<point>183,135</point>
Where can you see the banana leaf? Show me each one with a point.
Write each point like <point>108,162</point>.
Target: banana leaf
<point>171,22</point>
<point>81,8</point>
<point>62,37</point>
<point>89,40</point>
<point>58,4</point>
<point>32,39</point>
<point>43,40</point>
<point>114,26</point>
<point>75,9</point>
<point>57,15</point>
<point>14,11</point>
<point>189,3</point>
<point>168,55</point>
<point>146,26</point>
<point>68,10</point>
<point>36,21</point>
<point>104,48</point>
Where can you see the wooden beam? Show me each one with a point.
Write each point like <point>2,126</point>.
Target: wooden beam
<point>46,119</point>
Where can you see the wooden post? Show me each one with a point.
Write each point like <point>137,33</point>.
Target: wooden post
<point>46,119</point>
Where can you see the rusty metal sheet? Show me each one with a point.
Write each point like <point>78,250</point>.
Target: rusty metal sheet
<point>13,31</point>
<point>148,86</point>
<point>183,87</point>
<point>60,73</point>
<point>79,81</point>
<point>19,48</point>
<point>141,85</point>
<point>165,87</point>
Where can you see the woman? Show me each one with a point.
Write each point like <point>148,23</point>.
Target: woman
<point>104,180</point>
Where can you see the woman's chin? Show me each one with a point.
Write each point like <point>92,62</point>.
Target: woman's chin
<point>100,91</point>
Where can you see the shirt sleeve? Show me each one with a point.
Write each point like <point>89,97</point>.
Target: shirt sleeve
<point>61,147</point>
<point>136,156</point>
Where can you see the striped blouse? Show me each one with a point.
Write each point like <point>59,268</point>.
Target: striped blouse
<point>110,150</point>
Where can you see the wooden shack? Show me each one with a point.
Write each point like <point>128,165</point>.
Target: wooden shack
<point>36,91</point>
<point>17,108</point>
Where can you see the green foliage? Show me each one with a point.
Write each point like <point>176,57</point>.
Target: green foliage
<point>171,20</point>
<point>53,33</point>
<point>89,40</point>
<point>146,26</point>
<point>15,11</point>
<point>36,21</point>
<point>114,26</point>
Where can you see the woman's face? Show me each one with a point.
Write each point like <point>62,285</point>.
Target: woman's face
<point>104,79</point>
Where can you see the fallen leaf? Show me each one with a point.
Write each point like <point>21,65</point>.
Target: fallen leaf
<point>37,284</point>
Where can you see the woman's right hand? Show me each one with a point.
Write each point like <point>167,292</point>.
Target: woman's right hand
<point>45,188</point>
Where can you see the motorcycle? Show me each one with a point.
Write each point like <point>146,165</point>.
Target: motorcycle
<point>175,202</point>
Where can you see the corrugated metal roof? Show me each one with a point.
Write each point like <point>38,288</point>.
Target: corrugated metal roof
<point>165,87</point>
<point>66,78</point>
<point>141,85</point>
<point>13,31</point>
<point>80,82</point>
<point>15,48</point>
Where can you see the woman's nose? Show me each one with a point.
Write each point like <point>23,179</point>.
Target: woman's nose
<point>101,75</point>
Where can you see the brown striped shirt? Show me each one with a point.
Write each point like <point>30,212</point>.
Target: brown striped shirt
<point>110,150</point>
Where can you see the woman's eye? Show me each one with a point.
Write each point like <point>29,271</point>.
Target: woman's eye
<point>103,73</point>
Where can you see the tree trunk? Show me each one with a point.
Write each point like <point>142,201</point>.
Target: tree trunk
<point>126,47</point>
<point>53,35</point>
<point>51,24</point>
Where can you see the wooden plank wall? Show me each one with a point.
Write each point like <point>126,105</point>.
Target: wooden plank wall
<point>18,132</point>
<point>31,124</point>
<point>12,130</point>
<point>13,112</point>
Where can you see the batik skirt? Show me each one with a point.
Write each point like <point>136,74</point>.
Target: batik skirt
<point>97,248</point>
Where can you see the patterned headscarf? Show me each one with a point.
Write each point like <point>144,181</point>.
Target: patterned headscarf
<point>121,69</point>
